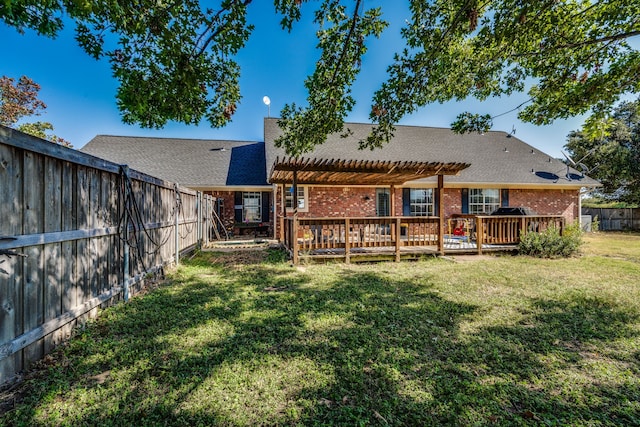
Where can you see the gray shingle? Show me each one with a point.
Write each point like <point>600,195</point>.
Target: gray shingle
<point>495,157</point>
<point>189,162</point>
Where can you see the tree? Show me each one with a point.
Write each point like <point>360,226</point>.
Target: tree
<point>20,99</point>
<point>614,158</point>
<point>174,60</point>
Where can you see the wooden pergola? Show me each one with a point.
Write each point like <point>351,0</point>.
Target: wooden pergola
<point>356,172</point>
<point>319,171</point>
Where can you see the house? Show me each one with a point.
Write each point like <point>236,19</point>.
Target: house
<point>422,172</point>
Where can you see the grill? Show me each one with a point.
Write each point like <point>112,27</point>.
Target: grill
<point>513,211</point>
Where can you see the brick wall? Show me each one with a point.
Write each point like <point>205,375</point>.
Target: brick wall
<point>227,208</point>
<point>351,201</point>
<point>548,202</point>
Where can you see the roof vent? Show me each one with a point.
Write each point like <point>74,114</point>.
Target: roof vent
<point>218,149</point>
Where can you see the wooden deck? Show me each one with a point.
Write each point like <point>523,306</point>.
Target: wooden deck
<point>399,238</point>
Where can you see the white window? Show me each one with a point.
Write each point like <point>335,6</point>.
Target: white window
<point>483,201</point>
<point>421,201</point>
<point>302,199</point>
<point>251,206</point>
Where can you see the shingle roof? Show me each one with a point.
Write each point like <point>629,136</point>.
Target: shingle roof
<point>495,157</point>
<point>194,163</point>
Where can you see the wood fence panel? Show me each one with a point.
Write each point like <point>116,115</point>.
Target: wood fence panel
<point>33,297</point>
<point>11,198</point>
<point>83,252</point>
<point>52,251</point>
<point>63,210</point>
<point>68,263</point>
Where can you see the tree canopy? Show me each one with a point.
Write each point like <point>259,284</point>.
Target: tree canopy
<point>175,60</point>
<point>613,158</point>
<point>19,99</point>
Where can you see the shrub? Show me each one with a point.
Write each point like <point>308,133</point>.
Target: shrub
<point>551,244</point>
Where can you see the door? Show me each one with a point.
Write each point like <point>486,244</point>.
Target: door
<point>383,202</point>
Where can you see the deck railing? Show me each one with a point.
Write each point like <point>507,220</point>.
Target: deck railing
<point>309,235</point>
<point>327,236</point>
<point>507,230</point>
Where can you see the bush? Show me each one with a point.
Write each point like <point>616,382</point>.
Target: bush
<point>551,244</point>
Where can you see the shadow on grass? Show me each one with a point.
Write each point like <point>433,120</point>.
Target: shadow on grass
<point>268,345</point>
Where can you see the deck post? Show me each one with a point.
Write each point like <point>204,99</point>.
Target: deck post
<point>294,203</point>
<point>441,214</point>
<point>397,237</point>
<point>479,233</point>
<point>294,241</point>
<point>283,210</point>
<point>347,240</point>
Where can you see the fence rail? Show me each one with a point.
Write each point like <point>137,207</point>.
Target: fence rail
<point>613,219</point>
<point>77,233</point>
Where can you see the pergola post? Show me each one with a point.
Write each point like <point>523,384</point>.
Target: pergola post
<point>392,202</point>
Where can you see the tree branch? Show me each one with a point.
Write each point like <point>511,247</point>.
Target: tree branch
<point>352,29</point>
<point>607,39</point>
<point>218,30</point>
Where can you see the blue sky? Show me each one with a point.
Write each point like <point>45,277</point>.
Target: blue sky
<point>80,92</point>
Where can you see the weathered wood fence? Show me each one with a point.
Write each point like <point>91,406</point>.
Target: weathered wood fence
<point>78,233</point>
<point>613,219</point>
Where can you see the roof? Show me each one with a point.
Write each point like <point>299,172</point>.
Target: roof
<point>195,163</point>
<point>356,172</point>
<point>496,158</point>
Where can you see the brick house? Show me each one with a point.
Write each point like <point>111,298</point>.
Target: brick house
<point>485,172</point>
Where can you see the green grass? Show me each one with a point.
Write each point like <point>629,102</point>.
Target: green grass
<point>239,339</point>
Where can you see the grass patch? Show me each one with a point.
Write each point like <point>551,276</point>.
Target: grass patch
<point>236,339</point>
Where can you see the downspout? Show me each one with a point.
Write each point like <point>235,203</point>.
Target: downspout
<point>580,208</point>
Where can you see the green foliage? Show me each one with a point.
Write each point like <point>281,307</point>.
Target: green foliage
<point>602,202</point>
<point>613,155</point>
<point>550,243</point>
<point>175,60</point>
<point>19,100</point>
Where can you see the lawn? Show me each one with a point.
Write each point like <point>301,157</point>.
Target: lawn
<point>246,339</point>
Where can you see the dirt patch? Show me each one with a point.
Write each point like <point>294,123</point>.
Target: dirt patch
<point>470,258</point>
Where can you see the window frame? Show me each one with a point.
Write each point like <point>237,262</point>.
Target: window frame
<point>413,203</point>
<point>383,192</point>
<point>476,200</point>
<point>288,198</point>
<point>250,195</point>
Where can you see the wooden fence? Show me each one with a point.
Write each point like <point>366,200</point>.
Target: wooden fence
<point>78,233</point>
<point>612,219</point>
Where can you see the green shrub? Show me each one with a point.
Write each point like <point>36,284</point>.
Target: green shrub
<point>551,244</point>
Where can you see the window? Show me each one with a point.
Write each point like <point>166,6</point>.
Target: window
<point>421,201</point>
<point>383,198</point>
<point>251,206</point>
<point>302,199</point>
<point>483,201</point>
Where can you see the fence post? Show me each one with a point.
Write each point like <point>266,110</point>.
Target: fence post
<point>125,231</point>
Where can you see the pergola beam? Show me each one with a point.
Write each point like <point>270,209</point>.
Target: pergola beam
<point>357,172</point>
